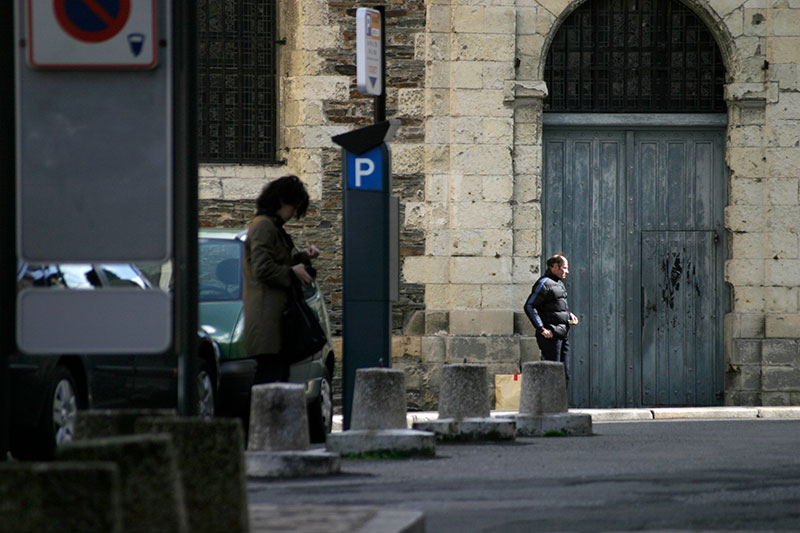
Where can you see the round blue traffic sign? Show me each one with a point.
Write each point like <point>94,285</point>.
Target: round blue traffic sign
<point>92,21</point>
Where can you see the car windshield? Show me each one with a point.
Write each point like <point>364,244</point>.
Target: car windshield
<point>219,270</point>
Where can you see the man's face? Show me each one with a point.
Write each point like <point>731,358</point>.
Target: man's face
<point>561,271</point>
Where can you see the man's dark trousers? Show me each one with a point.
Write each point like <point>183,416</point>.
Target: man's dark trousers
<point>554,349</point>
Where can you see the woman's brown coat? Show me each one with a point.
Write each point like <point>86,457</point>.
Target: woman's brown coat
<point>267,266</point>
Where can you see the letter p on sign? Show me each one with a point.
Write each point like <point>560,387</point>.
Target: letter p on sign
<point>364,167</point>
<point>365,170</point>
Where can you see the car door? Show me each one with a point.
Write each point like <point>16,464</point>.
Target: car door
<point>155,375</point>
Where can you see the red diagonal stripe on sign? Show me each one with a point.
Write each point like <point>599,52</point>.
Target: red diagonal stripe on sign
<point>98,10</point>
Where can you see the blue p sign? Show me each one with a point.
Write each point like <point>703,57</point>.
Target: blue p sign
<point>365,171</point>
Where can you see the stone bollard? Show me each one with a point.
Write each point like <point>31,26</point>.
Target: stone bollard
<point>278,444</point>
<point>278,418</point>
<point>464,408</point>
<point>211,461</point>
<point>209,456</point>
<point>74,496</point>
<point>151,488</point>
<point>543,407</point>
<point>544,388</point>
<point>378,423</point>
<point>379,399</point>
<point>464,391</point>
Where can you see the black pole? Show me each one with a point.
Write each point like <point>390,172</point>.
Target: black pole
<point>185,343</point>
<point>379,102</point>
<point>8,263</point>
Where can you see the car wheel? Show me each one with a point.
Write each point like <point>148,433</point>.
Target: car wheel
<point>206,395</point>
<point>58,420</point>
<point>320,412</point>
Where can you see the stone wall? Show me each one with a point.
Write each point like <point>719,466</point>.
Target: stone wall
<point>763,214</point>
<point>465,79</point>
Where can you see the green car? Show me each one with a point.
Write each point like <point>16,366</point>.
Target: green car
<point>220,254</point>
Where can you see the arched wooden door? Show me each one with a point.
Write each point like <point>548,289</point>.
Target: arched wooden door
<point>635,201</point>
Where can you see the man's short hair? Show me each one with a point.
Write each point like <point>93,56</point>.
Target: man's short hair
<point>557,259</point>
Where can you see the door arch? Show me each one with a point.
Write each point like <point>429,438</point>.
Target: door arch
<point>634,189</point>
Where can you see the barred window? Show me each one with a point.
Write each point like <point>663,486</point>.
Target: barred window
<point>237,93</point>
<point>624,56</point>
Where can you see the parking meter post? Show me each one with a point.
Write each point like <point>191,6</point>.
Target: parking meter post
<point>185,301</point>
<point>366,253</point>
<point>7,214</point>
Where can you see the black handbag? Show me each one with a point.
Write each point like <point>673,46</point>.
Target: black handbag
<point>303,336</point>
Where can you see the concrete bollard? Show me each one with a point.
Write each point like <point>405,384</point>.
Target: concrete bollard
<point>210,458</point>
<point>378,424</point>
<point>56,496</point>
<point>544,388</point>
<point>464,413</point>
<point>152,493</point>
<point>97,423</point>
<point>379,399</point>
<point>279,444</point>
<point>278,418</point>
<point>464,391</point>
<point>543,407</point>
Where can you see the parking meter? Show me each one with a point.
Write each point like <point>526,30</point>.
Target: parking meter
<point>370,247</point>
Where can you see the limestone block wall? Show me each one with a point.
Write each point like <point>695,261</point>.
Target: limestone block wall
<point>465,77</point>
<point>763,214</point>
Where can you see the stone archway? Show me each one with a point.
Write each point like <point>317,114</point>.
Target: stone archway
<point>623,381</point>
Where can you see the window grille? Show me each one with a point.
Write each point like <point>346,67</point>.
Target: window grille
<point>237,100</point>
<point>628,56</point>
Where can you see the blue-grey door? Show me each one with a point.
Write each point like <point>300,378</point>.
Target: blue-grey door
<point>639,213</point>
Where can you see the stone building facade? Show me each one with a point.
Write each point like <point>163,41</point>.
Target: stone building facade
<point>466,79</point>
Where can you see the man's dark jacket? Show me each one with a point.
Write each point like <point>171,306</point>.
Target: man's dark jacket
<point>547,305</point>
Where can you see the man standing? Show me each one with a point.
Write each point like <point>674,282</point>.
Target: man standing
<point>548,311</point>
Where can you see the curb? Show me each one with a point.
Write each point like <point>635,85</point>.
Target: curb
<point>691,413</point>
<point>642,414</point>
<point>358,519</point>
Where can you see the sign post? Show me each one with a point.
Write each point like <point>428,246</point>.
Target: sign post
<point>7,259</point>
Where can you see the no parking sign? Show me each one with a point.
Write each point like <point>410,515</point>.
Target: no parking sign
<point>74,34</point>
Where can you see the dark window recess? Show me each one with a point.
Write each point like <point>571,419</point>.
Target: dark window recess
<point>237,100</point>
<point>628,56</point>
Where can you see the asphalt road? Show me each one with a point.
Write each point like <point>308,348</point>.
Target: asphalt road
<point>671,475</point>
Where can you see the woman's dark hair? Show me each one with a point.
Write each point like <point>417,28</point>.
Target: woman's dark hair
<point>287,190</point>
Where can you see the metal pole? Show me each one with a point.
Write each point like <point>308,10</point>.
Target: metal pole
<point>379,102</point>
<point>185,343</point>
<point>8,264</point>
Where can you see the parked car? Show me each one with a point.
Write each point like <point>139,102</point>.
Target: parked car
<point>220,254</point>
<point>46,391</point>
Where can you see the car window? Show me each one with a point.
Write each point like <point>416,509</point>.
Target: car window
<point>79,276</point>
<point>219,270</point>
<point>159,274</point>
<point>123,276</point>
<point>39,276</point>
